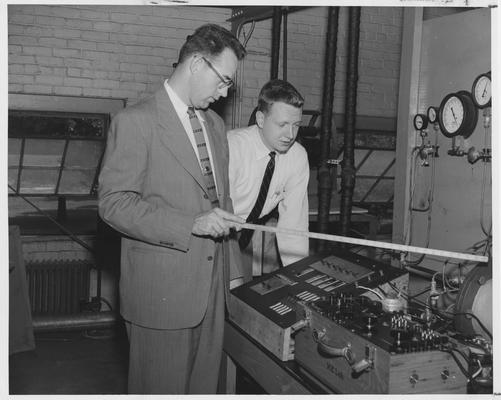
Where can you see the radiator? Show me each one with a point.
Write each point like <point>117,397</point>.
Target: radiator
<point>57,287</point>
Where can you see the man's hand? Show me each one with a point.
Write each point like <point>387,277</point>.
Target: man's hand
<point>216,223</point>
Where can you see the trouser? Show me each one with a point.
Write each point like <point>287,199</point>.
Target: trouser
<point>179,361</point>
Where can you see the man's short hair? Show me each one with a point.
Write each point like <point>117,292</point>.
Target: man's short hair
<point>278,90</point>
<point>211,40</point>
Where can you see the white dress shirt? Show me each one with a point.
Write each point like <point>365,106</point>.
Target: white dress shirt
<point>288,187</point>
<point>182,112</point>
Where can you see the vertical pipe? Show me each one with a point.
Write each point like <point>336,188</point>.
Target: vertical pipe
<point>275,41</point>
<point>325,173</point>
<point>284,51</point>
<point>348,163</point>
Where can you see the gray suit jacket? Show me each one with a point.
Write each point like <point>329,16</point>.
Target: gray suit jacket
<point>151,189</point>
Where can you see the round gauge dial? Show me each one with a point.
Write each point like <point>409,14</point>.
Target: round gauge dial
<point>457,115</point>
<point>481,90</point>
<point>420,121</point>
<point>432,114</point>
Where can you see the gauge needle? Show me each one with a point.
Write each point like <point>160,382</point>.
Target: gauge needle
<point>485,90</point>
<point>454,115</point>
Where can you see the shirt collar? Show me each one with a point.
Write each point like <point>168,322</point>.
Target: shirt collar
<point>179,105</point>
<point>261,150</point>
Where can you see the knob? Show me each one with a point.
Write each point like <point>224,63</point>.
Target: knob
<point>445,374</point>
<point>414,378</point>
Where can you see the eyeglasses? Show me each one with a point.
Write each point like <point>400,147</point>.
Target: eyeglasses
<point>225,83</point>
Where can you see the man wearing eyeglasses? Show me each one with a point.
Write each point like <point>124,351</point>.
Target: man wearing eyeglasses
<point>164,186</point>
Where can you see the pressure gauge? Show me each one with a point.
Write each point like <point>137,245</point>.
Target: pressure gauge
<point>420,122</point>
<point>481,90</point>
<point>432,114</point>
<point>457,115</point>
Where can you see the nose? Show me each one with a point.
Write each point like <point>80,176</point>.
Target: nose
<point>223,92</point>
<point>291,132</point>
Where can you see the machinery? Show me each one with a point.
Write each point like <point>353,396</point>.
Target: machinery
<point>348,323</point>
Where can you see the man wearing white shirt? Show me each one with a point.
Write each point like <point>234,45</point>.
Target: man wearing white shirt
<point>278,117</point>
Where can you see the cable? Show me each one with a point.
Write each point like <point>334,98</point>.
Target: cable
<point>461,367</point>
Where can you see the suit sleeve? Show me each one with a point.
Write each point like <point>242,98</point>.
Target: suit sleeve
<point>120,186</point>
<point>293,212</point>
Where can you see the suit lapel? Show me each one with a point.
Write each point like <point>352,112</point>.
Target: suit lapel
<point>173,136</point>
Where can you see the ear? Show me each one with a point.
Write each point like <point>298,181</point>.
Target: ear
<point>195,64</point>
<point>260,119</point>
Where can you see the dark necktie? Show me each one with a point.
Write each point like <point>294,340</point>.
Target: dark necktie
<point>246,234</point>
<point>203,156</point>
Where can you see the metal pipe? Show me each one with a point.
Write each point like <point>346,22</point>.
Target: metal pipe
<point>100,320</point>
<point>348,163</point>
<point>327,172</point>
<point>275,41</point>
<point>284,51</point>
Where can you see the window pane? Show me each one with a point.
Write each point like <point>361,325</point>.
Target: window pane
<point>55,125</point>
<point>83,153</point>
<point>13,179</point>
<point>40,180</point>
<point>76,181</point>
<point>43,153</point>
<point>14,151</point>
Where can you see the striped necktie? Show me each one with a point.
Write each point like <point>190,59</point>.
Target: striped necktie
<point>203,157</point>
<point>246,234</point>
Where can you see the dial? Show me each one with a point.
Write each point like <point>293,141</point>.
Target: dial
<point>432,114</point>
<point>457,115</point>
<point>420,122</point>
<point>481,90</point>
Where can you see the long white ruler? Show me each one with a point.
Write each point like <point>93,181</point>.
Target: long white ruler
<point>369,243</point>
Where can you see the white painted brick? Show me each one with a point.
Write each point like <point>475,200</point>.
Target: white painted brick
<point>32,50</point>
<point>92,73</point>
<point>37,89</point>
<point>107,26</point>
<point>96,36</point>
<point>123,17</point>
<point>80,24</point>
<point>128,67</point>
<point>48,80</point>
<point>34,69</point>
<point>136,86</point>
<point>82,44</point>
<point>105,84</point>
<point>55,61</point>
<point>51,21</point>
<point>13,78</point>
<point>79,82</point>
<point>21,18</point>
<point>67,53</point>
<point>67,33</point>
<point>96,92</point>
<point>75,72</point>
<point>65,12</point>
<point>52,42</point>
<point>68,91</point>
<point>16,69</point>
<point>110,47</point>
<point>15,87</point>
<point>91,14</point>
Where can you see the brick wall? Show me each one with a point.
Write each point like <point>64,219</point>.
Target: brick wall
<point>126,51</point>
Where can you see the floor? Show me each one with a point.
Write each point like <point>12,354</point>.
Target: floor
<point>82,362</point>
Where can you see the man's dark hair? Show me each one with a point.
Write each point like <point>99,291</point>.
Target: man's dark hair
<point>211,40</point>
<point>278,90</point>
